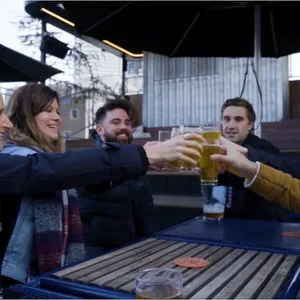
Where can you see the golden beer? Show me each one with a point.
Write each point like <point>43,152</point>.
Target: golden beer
<point>209,169</point>
<point>212,136</point>
<point>159,292</point>
<point>187,165</point>
<point>213,211</point>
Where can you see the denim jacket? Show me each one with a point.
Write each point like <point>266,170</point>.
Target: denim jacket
<point>17,257</point>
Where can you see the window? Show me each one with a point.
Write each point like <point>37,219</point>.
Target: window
<point>134,67</point>
<point>74,114</point>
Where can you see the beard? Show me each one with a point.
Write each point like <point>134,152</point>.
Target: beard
<point>113,137</point>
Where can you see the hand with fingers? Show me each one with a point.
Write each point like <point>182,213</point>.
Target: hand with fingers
<point>184,148</point>
<point>234,161</point>
<point>233,146</point>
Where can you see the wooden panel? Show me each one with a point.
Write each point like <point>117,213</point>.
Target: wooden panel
<point>231,273</point>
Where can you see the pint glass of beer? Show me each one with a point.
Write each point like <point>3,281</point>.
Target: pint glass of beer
<point>209,169</point>
<point>164,135</point>
<point>195,129</point>
<point>159,283</point>
<point>174,132</point>
<point>212,132</point>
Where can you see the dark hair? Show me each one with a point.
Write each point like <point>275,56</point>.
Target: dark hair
<point>112,105</point>
<point>240,102</point>
<point>25,103</point>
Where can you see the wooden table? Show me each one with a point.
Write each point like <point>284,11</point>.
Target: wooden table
<point>232,273</point>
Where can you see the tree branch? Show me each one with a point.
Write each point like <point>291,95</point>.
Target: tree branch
<point>95,88</point>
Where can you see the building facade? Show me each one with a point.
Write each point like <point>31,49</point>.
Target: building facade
<point>192,90</point>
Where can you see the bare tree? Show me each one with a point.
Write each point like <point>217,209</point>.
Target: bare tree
<point>94,88</point>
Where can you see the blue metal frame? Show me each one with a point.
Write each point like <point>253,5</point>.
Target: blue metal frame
<point>48,281</point>
<point>292,287</point>
<point>31,292</point>
<point>82,290</point>
<point>237,233</point>
<point>289,291</point>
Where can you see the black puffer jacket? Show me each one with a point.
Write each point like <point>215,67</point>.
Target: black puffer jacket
<point>119,215</point>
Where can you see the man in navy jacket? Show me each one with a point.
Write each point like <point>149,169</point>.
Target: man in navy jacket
<point>120,215</point>
<point>238,118</point>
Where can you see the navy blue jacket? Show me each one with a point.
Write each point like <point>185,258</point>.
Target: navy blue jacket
<point>45,173</point>
<point>48,172</point>
<point>117,216</point>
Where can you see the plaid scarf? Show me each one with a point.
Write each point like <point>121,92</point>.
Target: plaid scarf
<point>57,229</point>
<point>58,236</point>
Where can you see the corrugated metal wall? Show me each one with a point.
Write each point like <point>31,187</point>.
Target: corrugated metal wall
<point>192,90</point>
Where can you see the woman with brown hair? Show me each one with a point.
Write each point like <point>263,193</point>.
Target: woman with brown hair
<point>47,232</point>
<point>44,232</point>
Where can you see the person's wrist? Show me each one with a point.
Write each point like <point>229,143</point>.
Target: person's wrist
<point>151,154</point>
<point>249,170</point>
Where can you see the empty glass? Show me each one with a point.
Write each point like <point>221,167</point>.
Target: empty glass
<point>214,206</point>
<point>159,283</point>
<point>164,135</point>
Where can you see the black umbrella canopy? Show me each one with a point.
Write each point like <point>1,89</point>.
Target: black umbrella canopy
<point>15,66</point>
<point>190,28</point>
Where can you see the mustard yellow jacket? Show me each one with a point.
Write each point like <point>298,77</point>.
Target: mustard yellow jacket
<point>274,185</point>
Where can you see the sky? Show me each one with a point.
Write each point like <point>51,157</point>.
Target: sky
<point>13,10</point>
<point>10,12</point>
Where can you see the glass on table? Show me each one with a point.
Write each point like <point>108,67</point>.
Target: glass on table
<point>214,207</point>
<point>159,283</point>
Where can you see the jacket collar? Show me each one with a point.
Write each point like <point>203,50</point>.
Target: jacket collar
<point>100,144</point>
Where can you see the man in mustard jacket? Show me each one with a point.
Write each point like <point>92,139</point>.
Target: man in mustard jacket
<point>274,185</point>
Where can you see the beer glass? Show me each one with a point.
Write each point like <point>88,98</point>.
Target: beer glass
<point>214,207</point>
<point>195,129</point>
<point>177,130</point>
<point>164,135</point>
<point>209,170</point>
<point>212,132</point>
<point>159,283</point>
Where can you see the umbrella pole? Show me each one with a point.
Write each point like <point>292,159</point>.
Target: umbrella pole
<point>257,60</point>
<point>124,69</point>
<point>43,54</point>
